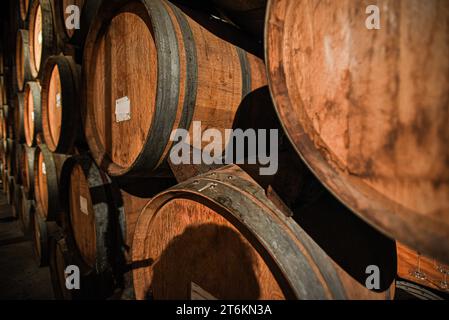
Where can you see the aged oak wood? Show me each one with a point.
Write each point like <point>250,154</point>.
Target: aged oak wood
<point>198,77</point>
<point>220,229</point>
<point>18,110</point>
<point>368,109</point>
<point>60,103</point>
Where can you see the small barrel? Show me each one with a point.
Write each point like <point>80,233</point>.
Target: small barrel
<point>10,155</point>
<point>27,171</point>
<point>221,229</point>
<point>199,77</point>
<point>26,210</point>
<point>42,38</point>
<point>32,112</point>
<point>10,191</point>
<point>41,231</point>
<point>47,168</point>
<point>367,109</point>
<point>19,105</point>
<point>23,66</point>
<point>60,104</point>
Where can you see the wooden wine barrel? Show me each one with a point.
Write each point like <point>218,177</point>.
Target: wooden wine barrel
<point>27,171</point>
<point>19,129</point>
<point>221,230</point>
<point>248,15</point>
<point>22,59</point>
<point>3,96</point>
<point>24,7</point>
<point>26,209</point>
<point>5,176</point>
<point>18,163</point>
<point>47,168</point>
<point>99,221</point>
<point>60,103</point>
<point>199,77</point>
<point>43,41</point>
<point>367,109</point>
<point>32,112</point>
<point>87,12</point>
<point>432,271</point>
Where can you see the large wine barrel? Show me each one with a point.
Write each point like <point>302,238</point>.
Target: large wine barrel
<point>27,171</point>
<point>221,230</point>
<point>26,209</point>
<point>19,129</point>
<point>32,112</point>
<point>22,59</point>
<point>88,9</point>
<point>47,168</point>
<point>24,7</point>
<point>43,41</point>
<point>198,77</point>
<point>60,104</point>
<point>367,109</point>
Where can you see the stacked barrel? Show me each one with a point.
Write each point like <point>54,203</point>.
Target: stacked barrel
<point>93,90</point>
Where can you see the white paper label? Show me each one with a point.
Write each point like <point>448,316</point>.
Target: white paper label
<point>122,109</point>
<point>58,100</point>
<point>83,205</point>
<point>32,116</point>
<point>44,169</point>
<point>198,293</point>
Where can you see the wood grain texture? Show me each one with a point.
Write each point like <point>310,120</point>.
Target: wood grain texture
<point>27,171</point>
<point>24,9</point>
<point>201,79</point>
<point>234,234</point>
<point>367,109</point>
<point>408,264</point>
